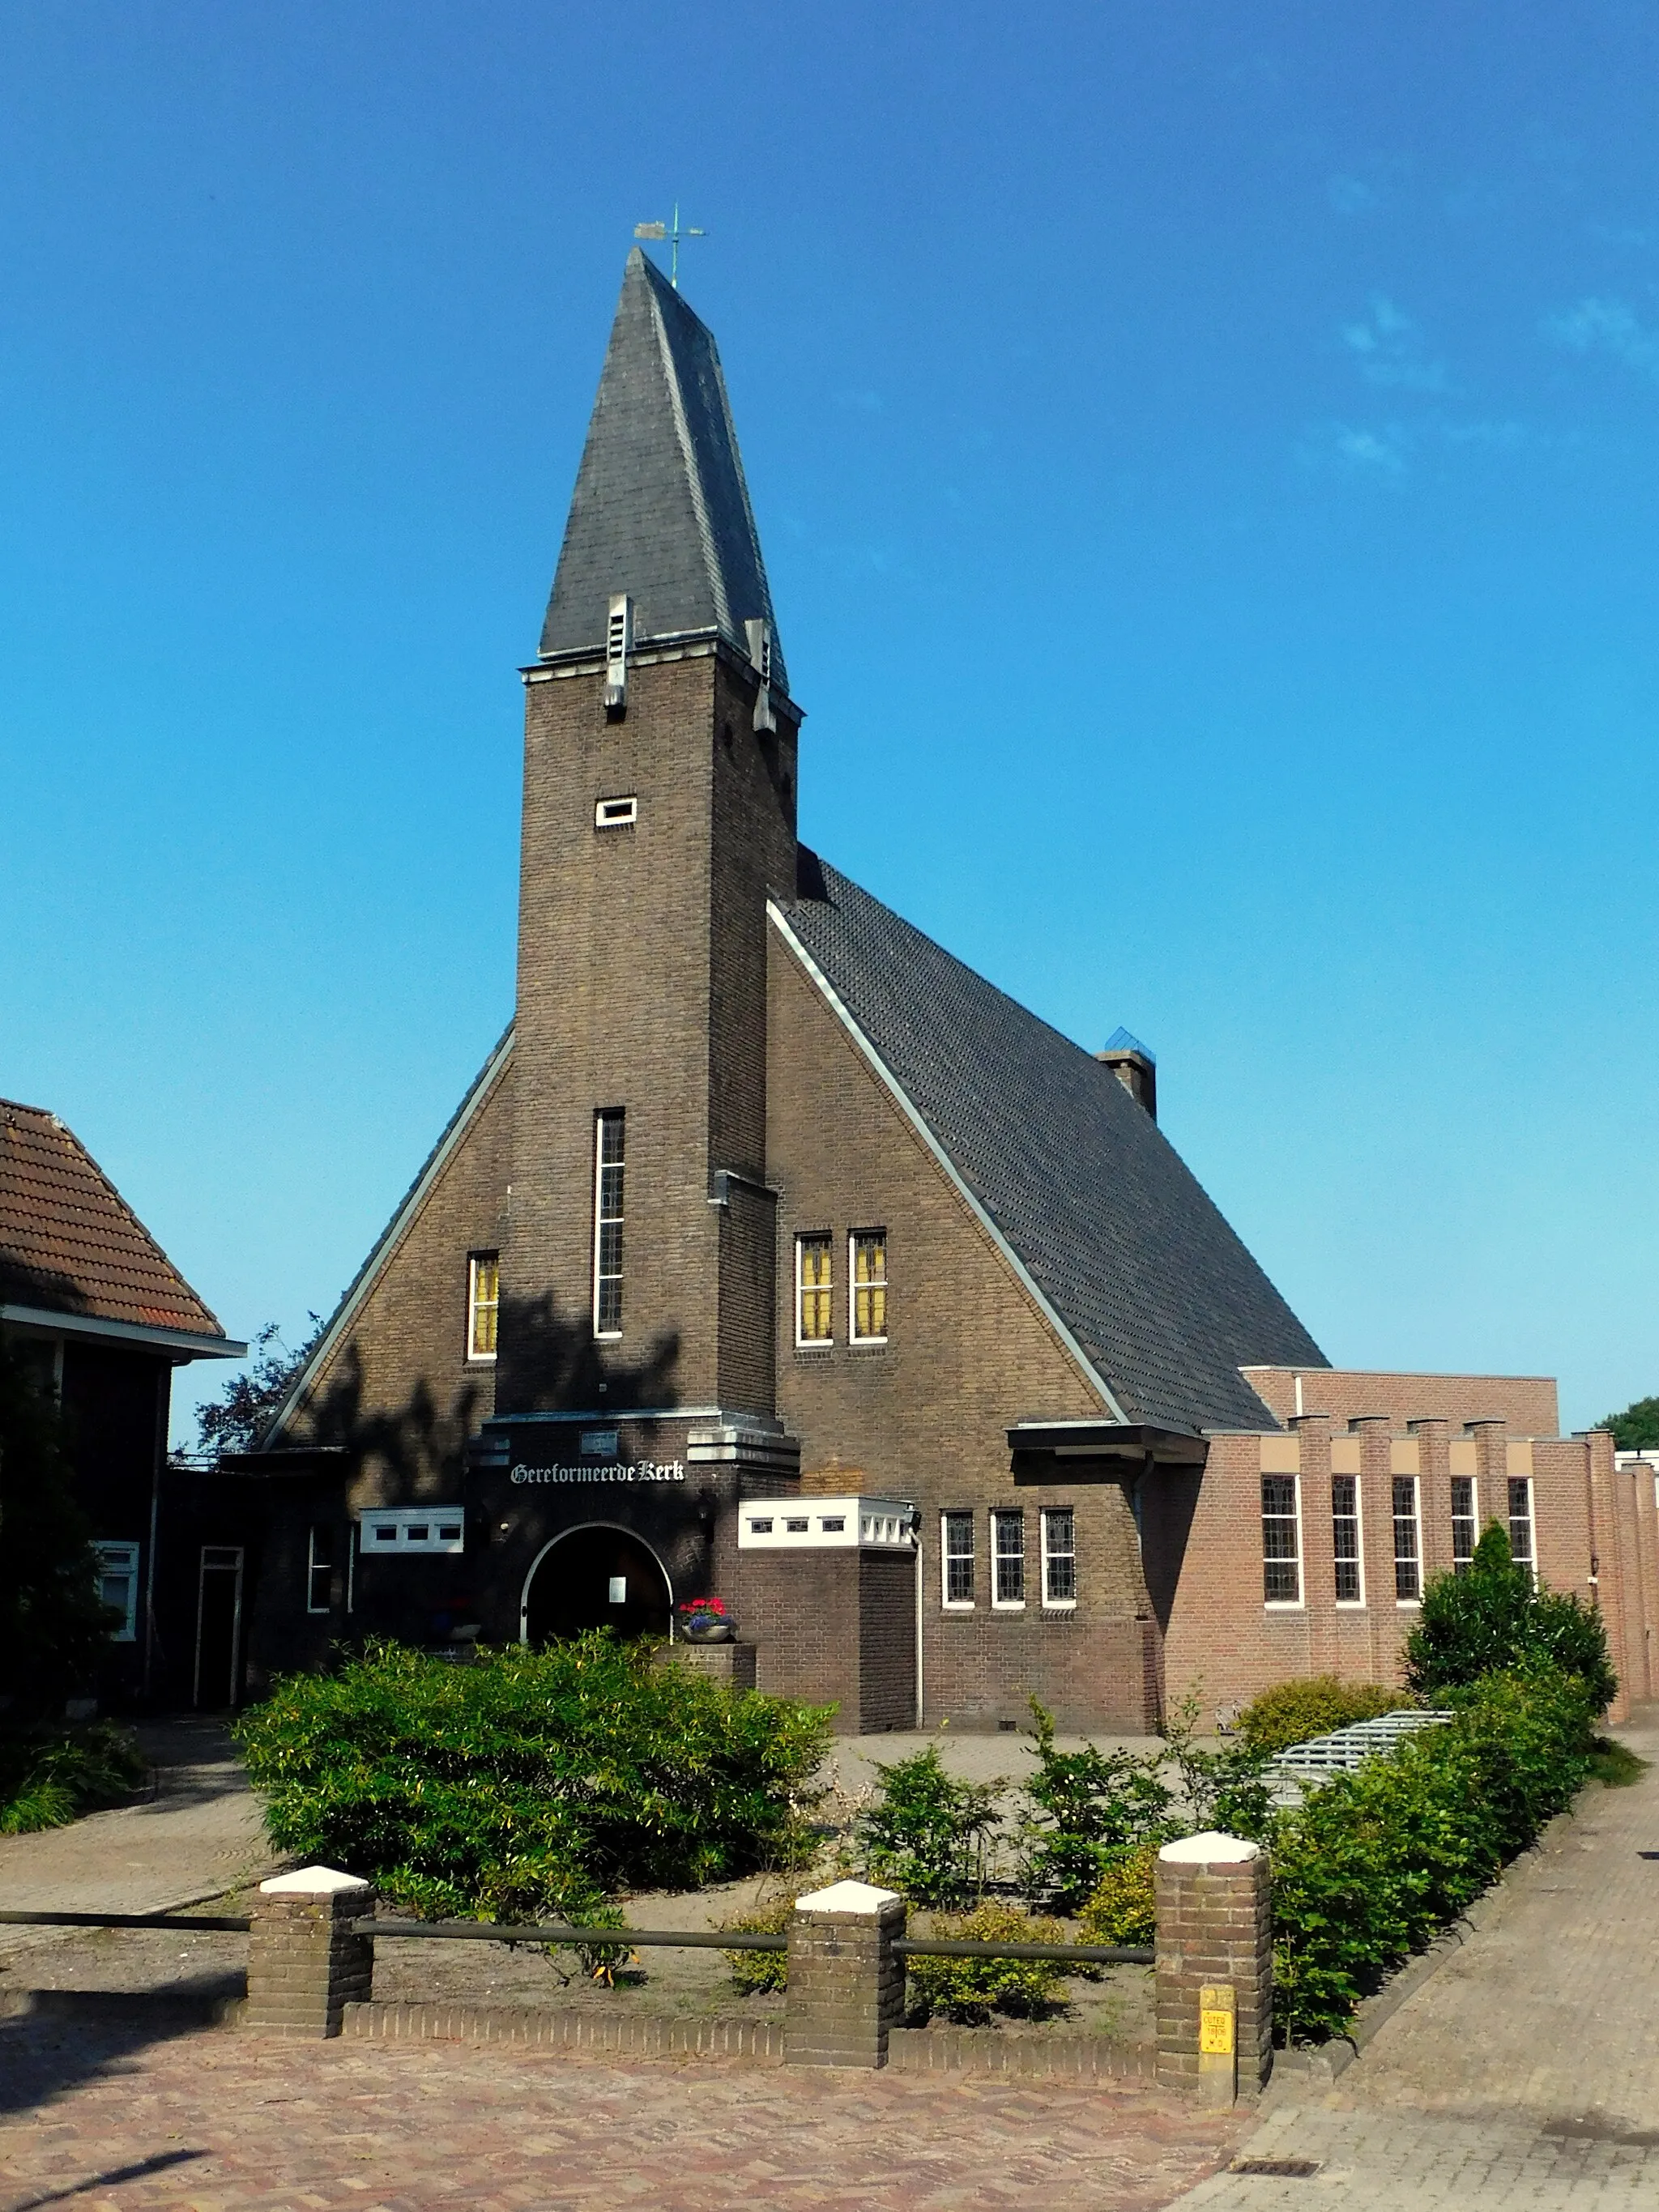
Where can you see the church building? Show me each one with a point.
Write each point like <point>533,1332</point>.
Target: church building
<point>775,1254</point>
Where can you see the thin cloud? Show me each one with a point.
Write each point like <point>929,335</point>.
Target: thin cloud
<point>1352,196</point>
<point>1607,326</point>
<point>1388,346</point>
<point>1355,451</point>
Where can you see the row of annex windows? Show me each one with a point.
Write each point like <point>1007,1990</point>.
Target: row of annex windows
<point>815,1287</point>
<point>1282,1577</point>
<point>959,1580</point>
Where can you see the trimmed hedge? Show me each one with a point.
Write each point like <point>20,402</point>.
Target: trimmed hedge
<point>1293,1712</point>
<point>969,1990</point>
<point>532,1784</point>
<point>1374,1865</point>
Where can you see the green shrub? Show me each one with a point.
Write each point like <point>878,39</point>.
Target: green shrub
<point>926,1834</point>
<point>1223,1789</point>
<point>758,1973</point>
<point>969,1990</point>
<point>1493,1616</point>
<point>49,1777</point>
<point>1374,1863</point>
<point>530,1785</point>
<point>54,1626</point>
<point>1091,1807</point>
<point>1292,1712</point>
<point>1121,1910</point>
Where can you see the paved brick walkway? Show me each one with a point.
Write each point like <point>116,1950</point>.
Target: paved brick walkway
<point>1526,2071</point>
<point>224,2122</point>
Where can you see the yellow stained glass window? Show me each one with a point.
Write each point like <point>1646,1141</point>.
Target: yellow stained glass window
<point>484,1301</point>
<point>813,1290</point>
<point>869,1285</point>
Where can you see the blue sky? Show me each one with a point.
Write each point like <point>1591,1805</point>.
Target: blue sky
<point>1208,463</point>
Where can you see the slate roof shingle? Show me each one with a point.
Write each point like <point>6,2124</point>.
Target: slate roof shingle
<point>70,1242</point>
<point>1116,1229</point>
<point>661,508</point>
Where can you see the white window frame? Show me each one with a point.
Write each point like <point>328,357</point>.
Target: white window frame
<point>1350,1604</point>
<point>121,1560</point>
<point>314,1566</point>
<point>1530,1518</point>
<point>1051,1556</point>
<point>825,1238</point>
<point>854,1237</point>
<point>388,1532</point>
<point>474,1305</point>
<point>958,1515</point>
<point>1408,1604</point>
<point>619,813</point>
<point>1283,1604</point>
<point>602,1120</point>
<point>1473,1516</point>
<point>999,1513</point>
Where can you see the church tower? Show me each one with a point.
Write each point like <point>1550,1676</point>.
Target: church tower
<point>639,1262</point>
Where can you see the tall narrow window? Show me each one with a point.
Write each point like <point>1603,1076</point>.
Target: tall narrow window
<point>869,1273</point>
<point>1464,1518</point>
<point>1344,1537</point>
<point>1521,1546</point>
<point>1281,1541</point>
<point>814,1322</point>
<point>483,1300</point>
<point>608,1133</point>
<point>320,1568</point>
<point>1058,1556</point>
<point>1408,1544</point>
<point>117,1586</point>
<point>1008,1559</point>
<point>957,1551</point>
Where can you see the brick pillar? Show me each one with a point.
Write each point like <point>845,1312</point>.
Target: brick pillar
<point>304,1965</point>
<point>1214,1955</point>
<point>846,1987</point>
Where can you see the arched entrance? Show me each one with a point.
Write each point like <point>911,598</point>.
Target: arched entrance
<point>595,1578</point>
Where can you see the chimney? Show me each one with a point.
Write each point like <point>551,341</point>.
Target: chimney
<point>1134,1066</point>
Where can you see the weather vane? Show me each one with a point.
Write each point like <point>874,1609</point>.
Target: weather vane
<point>673,234</point>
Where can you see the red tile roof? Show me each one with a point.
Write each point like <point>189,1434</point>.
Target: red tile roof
<point>69,1240</point>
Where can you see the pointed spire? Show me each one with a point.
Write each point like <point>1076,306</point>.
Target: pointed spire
<point>661,511</point>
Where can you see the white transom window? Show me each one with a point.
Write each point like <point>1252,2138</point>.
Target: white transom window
<point>412,1528</point>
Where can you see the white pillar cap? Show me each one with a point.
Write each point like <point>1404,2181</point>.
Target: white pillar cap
<point>847,1897</point>
<point>312,1881</point>
<point>1211,1849</point>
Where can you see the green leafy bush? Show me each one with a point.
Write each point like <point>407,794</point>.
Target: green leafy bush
<point>49,1777</point>
<point>926,1834</point>
<point>1120,1909</point>
<point>1292,1712</point>
<point>1493,1615</point>
<point>1374,1863</point>
<point>1091,1808</point>
<point>533,1783</point>
<point>969,1990</point>
<point>758,1973</point>
<point>1223,1789</point>
<point>54,1626</point>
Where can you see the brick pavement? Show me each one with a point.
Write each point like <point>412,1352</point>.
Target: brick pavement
<point>1526,2069</point>
<point>222,2122</point>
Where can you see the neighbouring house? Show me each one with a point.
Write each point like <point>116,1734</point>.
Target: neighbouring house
<point>90,1301</point>
<point>776,1254</point>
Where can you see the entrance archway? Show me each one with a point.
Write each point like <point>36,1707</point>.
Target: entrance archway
<point>595,1578</point>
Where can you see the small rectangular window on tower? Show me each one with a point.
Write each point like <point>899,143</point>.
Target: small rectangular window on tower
<point>616,813</point>
<point>867,1262</point>
<point>1464,1518</point>
<point>1408,1541</point>
<point>1281,1541</point>
<point>608,1149</point>
<point>484,1299</point>
<point>1345,1539</point>
<point>814,1290</point>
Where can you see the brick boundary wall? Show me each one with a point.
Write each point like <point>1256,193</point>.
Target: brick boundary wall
<point>1029,2057</point>
<point>759,2040</point>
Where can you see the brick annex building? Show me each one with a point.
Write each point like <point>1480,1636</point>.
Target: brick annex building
<point>777,1254</point>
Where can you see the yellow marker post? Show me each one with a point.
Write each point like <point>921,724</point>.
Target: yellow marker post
<point>1217,2043</point>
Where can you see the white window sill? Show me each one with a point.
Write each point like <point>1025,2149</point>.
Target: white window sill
<point>1351,1605</point>
<point>1283,1605</point>
<point>815,1344</point>
<point>1060,1605</point>
<point>869,1343</point>
<point>481,1359</point>
<point>1408,1605</point>
<point>958,1605</point>
<point>1007,1605</point>
<point>607,1336</point>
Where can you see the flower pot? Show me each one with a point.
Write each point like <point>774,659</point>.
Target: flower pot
<point>709,1630</point>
